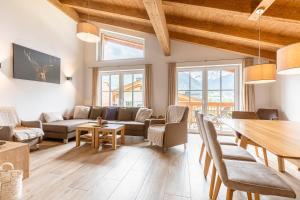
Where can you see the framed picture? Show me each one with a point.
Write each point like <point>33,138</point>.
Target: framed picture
<point>33,65</point>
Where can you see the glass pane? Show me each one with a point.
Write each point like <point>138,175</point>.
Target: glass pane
<point>194,105</point>
<point>114,79</point>
<point>105,82</point>
<point>196,80</point>
<point>105,99</point>
<point>228,96</point>
<point>127,82</point>
<point>115,48</point>
<point>213,78</point>
<point>228,79</point>
<point>127,99</point>
<point>183,80</point>
<point>183,98</point>
<point>138,99</point>
<point>138,82</point>
<point>115,98</point>
<point>213,106</point>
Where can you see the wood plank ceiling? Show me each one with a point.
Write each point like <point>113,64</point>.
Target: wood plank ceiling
<point>225,24</point>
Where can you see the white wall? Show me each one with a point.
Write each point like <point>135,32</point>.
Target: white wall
<point>40,26</point>
<point>181,52</point>
<point>286,96</point>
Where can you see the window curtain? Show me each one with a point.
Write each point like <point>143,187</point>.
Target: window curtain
<point>95,86</point>
<point>148,85</point>
<point>171,83</point>
<point>249,90</point>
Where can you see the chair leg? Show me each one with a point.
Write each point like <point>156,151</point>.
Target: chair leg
<point>249,196</point>
<point>229,194</point>
<point>256,196</point>
<point>212,182</point>
<point>265,157</point>
<point>217,188</point>
<point>206,164</point>
<point>256,151</point>
<point>201,152</point>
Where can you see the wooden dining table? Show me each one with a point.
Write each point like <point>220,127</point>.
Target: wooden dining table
<point>281,138</point>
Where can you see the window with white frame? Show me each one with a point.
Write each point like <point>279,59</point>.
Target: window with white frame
<point>122,88</point>
<point>117,46</point>
<point>212,90</point>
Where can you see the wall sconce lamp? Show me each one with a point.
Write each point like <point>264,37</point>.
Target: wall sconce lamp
<point>69,78</point>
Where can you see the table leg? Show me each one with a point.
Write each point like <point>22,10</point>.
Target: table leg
<point>77,137</point>
<point>123,136</point>
<point>243,142</point>
<point>93,139</point>
<point>96,139</point>
<point>114,140</point>
<point>281,165</point>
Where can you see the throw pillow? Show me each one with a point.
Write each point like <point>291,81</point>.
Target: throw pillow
<point>52,116</point>
<point>111,113</point>
<point>143,114</point>
<point>125,114</point>
<point>81,112</point>
<point>96,112</point>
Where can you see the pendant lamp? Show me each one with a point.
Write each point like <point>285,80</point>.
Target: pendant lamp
<point>288,59</point>
<point>88,32</point>
<point>260,73</point>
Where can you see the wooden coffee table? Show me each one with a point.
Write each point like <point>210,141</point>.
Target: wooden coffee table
<point>109,132</point>
<point>90,128</point>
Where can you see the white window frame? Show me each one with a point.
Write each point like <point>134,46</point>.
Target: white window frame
<point>100,47</point>
<point>121,81</point>
<point>205,69</point>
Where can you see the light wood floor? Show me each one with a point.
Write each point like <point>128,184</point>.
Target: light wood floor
<point>134,171</point>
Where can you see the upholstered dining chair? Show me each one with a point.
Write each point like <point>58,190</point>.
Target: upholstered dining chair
<point>250,115</point>
<point>267,114</point>
<point>249,177</point>
<point>223,139</point>
<point>171,131</point>
<point>14,129</point>
<point>230,152</point>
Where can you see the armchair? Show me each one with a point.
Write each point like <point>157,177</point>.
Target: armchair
<point>171,131</point>
<point>14,129</point>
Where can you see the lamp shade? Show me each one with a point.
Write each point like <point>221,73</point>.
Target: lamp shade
<point>88,32</point>
<point>258,74</point>
<point>288,59</point>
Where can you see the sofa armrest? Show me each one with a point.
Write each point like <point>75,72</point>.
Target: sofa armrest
<point>175,134</point>
<point>32,124</point>
<point>157,121</point>
<point>6,133</point>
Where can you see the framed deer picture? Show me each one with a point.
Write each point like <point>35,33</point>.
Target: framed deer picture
<point>33,65</point>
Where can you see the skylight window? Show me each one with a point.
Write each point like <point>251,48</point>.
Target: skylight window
<point>116,46</point>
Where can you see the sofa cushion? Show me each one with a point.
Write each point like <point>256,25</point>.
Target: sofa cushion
<point>24,133</point>
<point>97,111</point>
<point>111,113</point>
<point>81,112</point>
<point>125,114</point>
<point>64,126</point>
<point>52,116</point>
<point>134,112</point>
<point>130,125</point>
<point>143,114</point>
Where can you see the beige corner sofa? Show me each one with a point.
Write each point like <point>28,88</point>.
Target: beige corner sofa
<point>65,129</point>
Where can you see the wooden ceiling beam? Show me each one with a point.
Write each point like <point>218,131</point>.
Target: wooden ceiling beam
<point>158,20</point>
<point>237,48</point>
<point>264,4</point>
<point>245,50</point>
<point>118,23</point>
<point>107,9</point>
<point>246,6</point>
<point>67,10</point>
<point>242,34</point>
